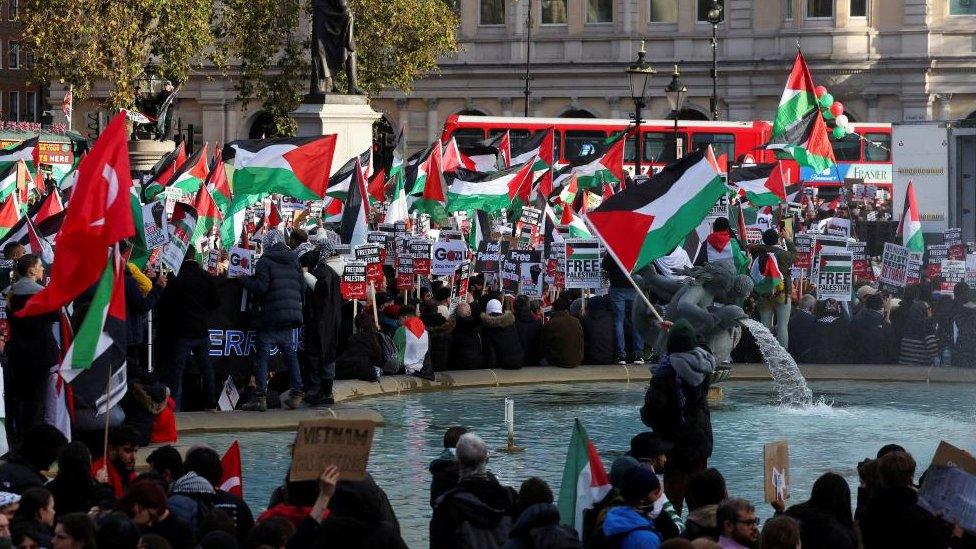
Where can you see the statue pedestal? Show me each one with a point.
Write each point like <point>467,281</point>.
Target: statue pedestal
<point>144,154</point>
<point>348,116</point>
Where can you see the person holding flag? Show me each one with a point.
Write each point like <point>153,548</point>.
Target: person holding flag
<point>773,283</point>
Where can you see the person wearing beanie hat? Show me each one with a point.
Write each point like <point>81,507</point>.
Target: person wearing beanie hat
<point>594,517</point>
<point>775,307</point>
<point>676,408</point>
<point>500,338</point>
<point>626,525</point>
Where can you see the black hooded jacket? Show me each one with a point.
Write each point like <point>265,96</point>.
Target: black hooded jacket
<point>538,528</point>
<point>479,501</point>
<point>277,285</point>
<point>501,341</point>
<point>821,530</point>
<point>360,516</point>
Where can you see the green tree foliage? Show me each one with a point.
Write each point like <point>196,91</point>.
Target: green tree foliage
<point>262,45</point>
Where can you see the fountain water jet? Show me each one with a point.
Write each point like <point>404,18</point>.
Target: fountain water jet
<point>790,383</point>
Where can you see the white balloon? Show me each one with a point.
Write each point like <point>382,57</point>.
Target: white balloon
<point>841,121</point>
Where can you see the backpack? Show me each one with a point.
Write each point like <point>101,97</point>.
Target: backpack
<point>390,357</point>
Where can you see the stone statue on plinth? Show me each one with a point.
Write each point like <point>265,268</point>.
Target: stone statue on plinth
<point>333,49</point>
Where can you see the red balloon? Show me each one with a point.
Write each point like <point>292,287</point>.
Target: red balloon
<point>837,109</point>
<point>819,91</point>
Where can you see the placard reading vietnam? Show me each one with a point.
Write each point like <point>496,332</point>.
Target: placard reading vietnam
<point>835,278</point>
<point>583,268</point>
<point>320,442</point>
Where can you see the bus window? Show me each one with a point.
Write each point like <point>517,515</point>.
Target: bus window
<point>659,146</point>
<point>557,141</point>
<point>847,149</point>
<point>516,137</point>
<point>582,142</point>
<point>877,147</point>
<point>722,143</point>
<point>468,136</point>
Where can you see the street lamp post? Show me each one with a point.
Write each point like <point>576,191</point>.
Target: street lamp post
<point>640,75</point>
<point>714,17</point>
<point>528,60</point>
<point>675,92</point>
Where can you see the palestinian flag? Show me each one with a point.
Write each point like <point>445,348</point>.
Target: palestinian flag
<point>208,215</point>
<point>453,158</point>
<point>232,479</point>
<point>585,482</point>
<point>332,210</point>
<point>218,185</point>
<point>298,167</point>
<point>412,344</point>
<point>139,254</point>
<point>831,206</point>
<point>806,142</point>
<point>489,192</point>
<point>432,196</point>
<point>99,345</point>
<point>47,222</point>
<point>193,173</point>
<point>766,276</point>
<point>340,182</point>
<point>9,214</point>
<point>542,188</point>
<point>483,155</point>
<point>26,184</point>
<point>910,225</point>
<point>9,179</point>
<point>760,184</point>
<point>26,150</point>
<point>38,245</point>
<point>503,144</point>
<point>604,165</point>
<point>577,227</point>
<point>376,186</point>
<point>480,230</point>
<point>397,210</point>
<point>355,212</point>
<point>537,148</point>
<point>164,170</point>
<point>645,222</point>
<point>591,201</point>
<point>798,100</point>
<point>722,246</point>
<point>413,169</point>
<point>570,190</point>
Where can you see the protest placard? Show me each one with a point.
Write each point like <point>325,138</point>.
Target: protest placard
<point>229,396</point>
<point>914,273</point>
<point>489,255</point>
<point>385,243</point>
<point>950,486</point>
<point>583,265</point>
<point>804,251</point>
<point>937,253</point>
<point>353,283</point>
<point>835,277</point>
<point>720,209</point>
<point>860,261</point>
<point>971,270</point>
<point>531,216</point>
<point>419,250</point>
<point>154,225</point>
<point>894,268</point>
<point>830,243</point>
<point>753,235</point>
<point>953,272</point>
<point>447,256</point>
<point>213,261</point>
<point>952,237</point>
<point>531,273</point>
<point>369,253</point>
<point>404,273</point>
<point>459,288</point>
<point>290,204</point>
<point>509,273</point>
<point>447,235</point>
<point>340,442</point>
<point>837,226</point>
<point>180,228</point>
<point>240,262</point>
<point>776,471</point>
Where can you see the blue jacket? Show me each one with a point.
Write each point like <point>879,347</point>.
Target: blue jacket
<point>634,530</point>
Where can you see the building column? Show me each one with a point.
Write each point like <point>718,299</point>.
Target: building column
<point>945,104</point>
<point>213,118</point>
<point>614,104</point>
<point>535,106</point>
<point>433,131</point>
<point>916,107</point>
<point>506,103</point>
<point>871,101</point>
<point>403,118</point>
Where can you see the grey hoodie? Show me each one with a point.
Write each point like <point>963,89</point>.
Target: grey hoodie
<point>693,366</point>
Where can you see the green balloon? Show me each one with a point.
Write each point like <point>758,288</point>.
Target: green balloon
<point>839,132</point>
<point>826,100</point>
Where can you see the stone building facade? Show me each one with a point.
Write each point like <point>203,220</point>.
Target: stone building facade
<point>20,100</point>
<point>886,60</point>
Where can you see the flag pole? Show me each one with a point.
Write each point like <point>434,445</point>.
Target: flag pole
<point>108,382</point>
<point>622,268</point>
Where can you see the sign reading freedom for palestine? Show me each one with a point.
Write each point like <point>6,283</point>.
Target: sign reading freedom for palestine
<point>320,442</point>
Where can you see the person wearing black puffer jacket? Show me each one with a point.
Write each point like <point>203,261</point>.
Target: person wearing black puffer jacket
<point>439,330</point>
<point>598,343</point>
<point>277,285</point>
<point>529,328</point>
<point>500,337</point>
<point>537,526</point>
<point>466,350</point>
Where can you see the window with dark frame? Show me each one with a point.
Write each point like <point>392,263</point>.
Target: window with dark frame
<point>492,12</point>
<point>820,9</point>
<point>599,11</point>
<point>664,11</point>
<point>704,6</point>
<point>554,12</point>
<point>859,8</point>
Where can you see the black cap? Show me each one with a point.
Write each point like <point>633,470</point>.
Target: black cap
<point>648,446</point>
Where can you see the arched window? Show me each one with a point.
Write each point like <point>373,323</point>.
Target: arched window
<point>262,127</point>
<point>577,113</point>
<point>972,116</point>
<point>472,112</point>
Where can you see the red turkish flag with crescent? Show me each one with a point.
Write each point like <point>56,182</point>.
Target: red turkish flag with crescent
<point>98,216</point>
<point>232,480</point>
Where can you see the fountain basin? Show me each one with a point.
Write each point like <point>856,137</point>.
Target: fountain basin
<point>864,416</point>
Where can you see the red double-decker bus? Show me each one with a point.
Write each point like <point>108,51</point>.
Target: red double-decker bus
<point>733,140</point>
